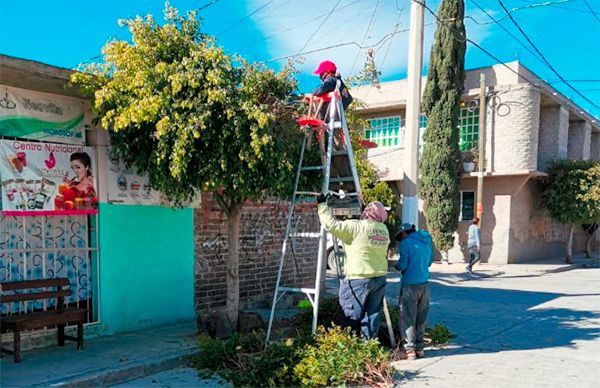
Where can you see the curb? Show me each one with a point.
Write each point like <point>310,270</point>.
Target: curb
<point>111,376</point>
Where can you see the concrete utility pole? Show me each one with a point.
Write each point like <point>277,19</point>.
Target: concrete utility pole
<point>481,163</point>
<point>410,202</point>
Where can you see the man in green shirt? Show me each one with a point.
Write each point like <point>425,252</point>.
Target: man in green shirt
<point>366,243</point>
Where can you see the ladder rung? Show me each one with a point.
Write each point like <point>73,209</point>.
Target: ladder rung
<point>307,235</point>
<point>296,289</point>
<point>339,153</point>
<point>307,193</point>
<point>312,168</point>
<point>342,179</point>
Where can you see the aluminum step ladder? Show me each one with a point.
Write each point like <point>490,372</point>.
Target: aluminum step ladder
<point>340,180</point>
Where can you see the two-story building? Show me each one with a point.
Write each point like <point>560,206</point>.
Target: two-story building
<point>528,124</point>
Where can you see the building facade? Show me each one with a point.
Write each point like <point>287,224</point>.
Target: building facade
<point>528,125</point>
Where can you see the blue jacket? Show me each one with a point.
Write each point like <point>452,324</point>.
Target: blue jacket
<point>329,85</point>
<point>416,256</point>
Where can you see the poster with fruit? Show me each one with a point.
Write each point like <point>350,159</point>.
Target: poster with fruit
<point>126,186</point>
<point>47,177</point>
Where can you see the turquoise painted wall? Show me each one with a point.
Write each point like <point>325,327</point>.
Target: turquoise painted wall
<point>146,266</point>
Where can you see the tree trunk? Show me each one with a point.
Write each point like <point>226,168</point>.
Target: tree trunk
<point>233,264</point>
<point>588,245</point>
<point>570,245</point>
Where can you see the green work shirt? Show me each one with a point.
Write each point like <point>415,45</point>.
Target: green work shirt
<point>365,244</point>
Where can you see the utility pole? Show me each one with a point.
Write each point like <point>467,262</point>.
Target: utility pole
<point>481,163</point>
<point>410,164</point>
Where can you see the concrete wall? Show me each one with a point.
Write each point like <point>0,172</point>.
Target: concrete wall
<point>146,266</point>
<point>580,133</point>
<point>514,129</point>
<point>553,135</point>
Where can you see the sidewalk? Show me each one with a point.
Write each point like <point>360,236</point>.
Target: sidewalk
<point>104,360</point>
<point>523,325</point>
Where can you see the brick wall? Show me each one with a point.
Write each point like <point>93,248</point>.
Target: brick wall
<point>580,133</point>
<point>554,133</point>
<point>514,129</point>
<point>262,227</point>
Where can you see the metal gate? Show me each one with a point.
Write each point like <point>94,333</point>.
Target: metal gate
<point>38,247</point>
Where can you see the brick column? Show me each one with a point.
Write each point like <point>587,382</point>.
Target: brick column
<point>514,129</point>
<point>554,135</point>
<point>595,146</point>
<point>580,133</point>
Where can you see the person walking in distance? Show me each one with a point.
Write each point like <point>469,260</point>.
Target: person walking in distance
<point>416,256</point>
<point>366,243</point>
<point>473,244</point>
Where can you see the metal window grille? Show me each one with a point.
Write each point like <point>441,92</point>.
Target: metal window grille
<point>42,247</point>
<point>469,129</point>
<point>385,131</point>
<point>467,205</point>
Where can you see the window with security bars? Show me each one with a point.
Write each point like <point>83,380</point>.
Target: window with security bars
<point>467,205</point>
<point>469,129</point>
<point>385,131</point>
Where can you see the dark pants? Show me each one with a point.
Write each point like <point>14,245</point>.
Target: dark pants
<point>414,308</point>
<point>473,256</point>
<point>361,301</point>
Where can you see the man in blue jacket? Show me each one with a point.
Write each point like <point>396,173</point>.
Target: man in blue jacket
<point>416,255</point>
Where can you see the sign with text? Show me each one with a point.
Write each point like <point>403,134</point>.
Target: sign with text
<point>41,116</point>
<point>126,185</point>
<point>47,177</point>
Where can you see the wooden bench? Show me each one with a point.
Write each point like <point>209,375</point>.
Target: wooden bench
<point>58,316</point>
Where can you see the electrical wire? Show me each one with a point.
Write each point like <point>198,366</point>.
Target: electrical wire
<point>207,5</point>
<point>591,10</point>
<point>366,34</point>
<point>506,30</point>
<point>546,60</point>
<point>536,5</point>
<point>241,20</point>
<point>319,26</point>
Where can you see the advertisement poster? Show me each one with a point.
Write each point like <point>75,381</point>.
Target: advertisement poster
<point>126,186</point>
<point>41,116</point>
<point>47,177</point>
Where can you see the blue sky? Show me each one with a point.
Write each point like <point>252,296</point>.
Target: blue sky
<point>67,32</point>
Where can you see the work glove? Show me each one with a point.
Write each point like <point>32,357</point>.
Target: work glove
<point>322,198</point>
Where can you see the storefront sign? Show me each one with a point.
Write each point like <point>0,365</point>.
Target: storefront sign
<point>126,186</point>
<point>40,116</point>
<point>46,177</point>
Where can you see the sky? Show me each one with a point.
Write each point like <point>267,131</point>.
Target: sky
<point>66,33</point>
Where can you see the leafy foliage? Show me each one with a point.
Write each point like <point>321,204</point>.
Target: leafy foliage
<point>440,164</point>
<point>339,357</point>
<point>192,117</point>
<point>572,191</point>
<point>244,360</point>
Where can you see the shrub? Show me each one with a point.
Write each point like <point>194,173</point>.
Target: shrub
<point>244,360</point>
<point>339,357</point>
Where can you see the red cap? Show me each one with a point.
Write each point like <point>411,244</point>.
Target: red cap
<point>325,67</point>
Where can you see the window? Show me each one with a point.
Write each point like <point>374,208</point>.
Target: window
<point>468,123</point>
<point>467,205</point>
<point>385,131</point>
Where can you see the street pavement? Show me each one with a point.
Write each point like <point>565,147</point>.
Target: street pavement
<point>522,325</point>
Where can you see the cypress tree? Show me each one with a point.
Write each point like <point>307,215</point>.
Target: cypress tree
<point>440,164</point>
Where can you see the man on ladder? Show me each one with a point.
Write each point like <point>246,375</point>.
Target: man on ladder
<point>367,239</point>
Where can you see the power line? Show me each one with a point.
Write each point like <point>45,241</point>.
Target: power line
<point>241,20</point>
<point>320,25</point>
<point>536,5</point>
<point>505,29</point>
<point>383,39</point>
<point>567,8</point>
<point>366,34</point>
<point>296,26</point>
<point>546,60</point>
<point>591,10</point>
<point>206,5</point>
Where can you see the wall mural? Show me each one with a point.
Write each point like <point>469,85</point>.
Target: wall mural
<point>46,247</point>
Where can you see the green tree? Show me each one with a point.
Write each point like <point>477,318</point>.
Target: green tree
<point>193,118</point>
<point>440,164</point>
<point>572,195</point>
